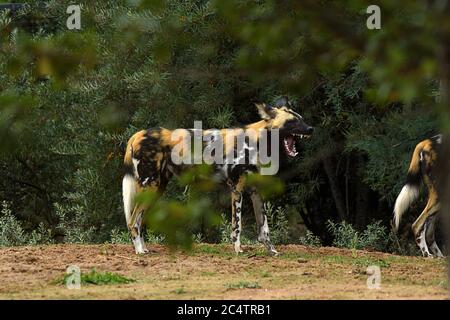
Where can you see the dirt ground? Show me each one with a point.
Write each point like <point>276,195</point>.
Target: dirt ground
<point>215,272</point>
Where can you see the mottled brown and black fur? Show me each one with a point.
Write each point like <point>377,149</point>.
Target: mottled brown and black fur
<point>149,166</point>
<point>422,169</point>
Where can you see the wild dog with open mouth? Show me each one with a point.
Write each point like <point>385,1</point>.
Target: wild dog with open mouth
<point>422,168</point>
<point>149,166</point>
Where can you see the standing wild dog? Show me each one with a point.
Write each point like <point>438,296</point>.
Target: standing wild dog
<point>150,163</point>
<point>422,168</point>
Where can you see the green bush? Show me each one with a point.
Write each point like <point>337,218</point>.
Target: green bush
<point>41,235</point>
<point>119,236</point>
<point>278,224</point>
<point>155,238</point>
<point>374,237</point>
<point>73,223</point>
<point>11,231</point>
<point>310,240</point>
<point>13,234</point>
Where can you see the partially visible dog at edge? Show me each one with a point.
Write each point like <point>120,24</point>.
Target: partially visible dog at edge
<point>148,166</point>
<point>422,169</point>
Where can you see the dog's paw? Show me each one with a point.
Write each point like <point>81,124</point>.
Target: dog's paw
<point>273,252</point>
<point>238,249</point>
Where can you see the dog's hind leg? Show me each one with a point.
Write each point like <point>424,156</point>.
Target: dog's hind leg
<point>430,236</point>
<point>422,223</point>
<point>261,221</point>
<point>136,223</point>
<point>422,242</point>
<point>136,227</point>
<point>133,212</point>
<point>436,251</point>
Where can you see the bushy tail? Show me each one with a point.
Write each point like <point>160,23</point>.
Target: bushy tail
<point>410,190</point>
<point>128,182</point>
<point>128,193</point>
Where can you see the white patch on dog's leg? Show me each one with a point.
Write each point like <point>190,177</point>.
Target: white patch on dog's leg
<point>236,233</point>
<point>136,164</point>
<point>237,246</point>
<point>430,237</point>
<point>422,243</point>
<point>138,240</point>
<point>263,237</point>
<point>143,246</point>
<point>141,236</point>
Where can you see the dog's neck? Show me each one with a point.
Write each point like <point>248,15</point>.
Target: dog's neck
<point>262,124</point>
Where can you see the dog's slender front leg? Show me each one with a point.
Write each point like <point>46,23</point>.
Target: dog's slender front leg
<point>236,210</point>
<point>261,221</point>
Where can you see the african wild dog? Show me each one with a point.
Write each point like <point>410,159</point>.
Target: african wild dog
<point>422,168</point>
<point>149,166</point>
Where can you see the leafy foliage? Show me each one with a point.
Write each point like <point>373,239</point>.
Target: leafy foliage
<point>279,224</point>
<point>310,240</point>
<point>70,100</point>
<point>119,236</point>
<point>95,277</point>
<point>374,237</point>
<point>12,232</point>
<point>102,278</point>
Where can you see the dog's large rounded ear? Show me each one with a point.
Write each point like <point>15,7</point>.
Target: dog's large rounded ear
<point>265,111</point>
<point>282,102</point>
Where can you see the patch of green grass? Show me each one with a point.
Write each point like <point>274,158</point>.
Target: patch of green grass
<point>243,285</point>
<point>288,256</point>
<point>254,252</point>
<point>266,274</point>
<point>336,259</point>
<point>357,261</point>
<point>408,280</point>
<point>365,262</point>
<point>443,284</point>
<point>180,290</point>
<point>218,249</point>
<point>297,255</point>
<point>97,278</point>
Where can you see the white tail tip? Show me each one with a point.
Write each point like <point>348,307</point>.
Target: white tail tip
<point>406,197</point>
<point>128,193</point>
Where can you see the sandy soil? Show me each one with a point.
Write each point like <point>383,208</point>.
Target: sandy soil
<point>215,272</point>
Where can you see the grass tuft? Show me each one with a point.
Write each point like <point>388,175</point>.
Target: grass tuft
<point>97,278</point>
<point>180,290</point>
<point>243,285</point>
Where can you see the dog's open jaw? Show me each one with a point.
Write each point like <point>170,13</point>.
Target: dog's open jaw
<point>289,143</point>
